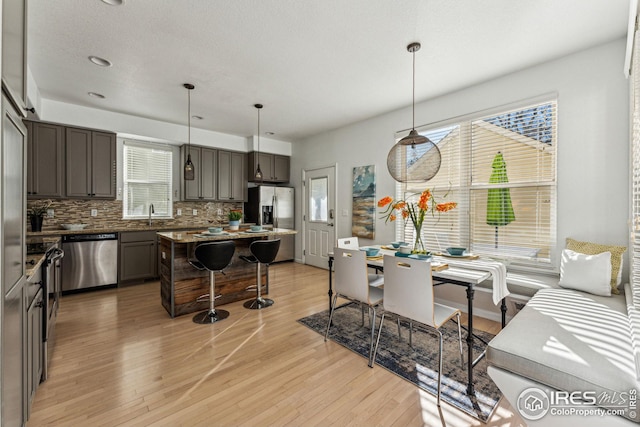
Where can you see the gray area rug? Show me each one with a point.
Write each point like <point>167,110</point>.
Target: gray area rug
<point>418,365</point>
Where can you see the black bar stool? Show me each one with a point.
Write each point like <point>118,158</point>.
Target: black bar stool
<point>212,256</point>
<point>263,252</point>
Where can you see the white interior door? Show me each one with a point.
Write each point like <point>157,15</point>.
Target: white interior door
<point>319,216</point>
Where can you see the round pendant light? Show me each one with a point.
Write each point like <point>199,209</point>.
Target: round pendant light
<point>189,169</point>
<point>258,173</point>
<point>415,158</point>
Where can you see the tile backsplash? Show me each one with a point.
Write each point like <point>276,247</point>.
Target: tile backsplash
<point>71,211</point>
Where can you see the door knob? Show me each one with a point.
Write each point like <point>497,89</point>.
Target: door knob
<point>330,224</point>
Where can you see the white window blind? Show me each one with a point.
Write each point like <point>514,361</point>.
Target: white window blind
<point>522,143</point>
<point>147,180</point>
<point>635,159</point>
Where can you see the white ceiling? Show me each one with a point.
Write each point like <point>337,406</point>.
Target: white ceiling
<point>315,64</point>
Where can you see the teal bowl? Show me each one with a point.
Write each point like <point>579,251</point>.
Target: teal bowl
<point>214,230</point>
<point>396,245</point>
<point>371,251</point>
<point>456,251</point>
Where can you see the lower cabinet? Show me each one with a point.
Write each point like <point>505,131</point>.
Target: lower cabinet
<point>138,256</point>
<point>35,347</point>
<point>13,358</point>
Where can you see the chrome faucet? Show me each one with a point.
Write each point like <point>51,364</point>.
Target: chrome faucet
<point>151,211</point>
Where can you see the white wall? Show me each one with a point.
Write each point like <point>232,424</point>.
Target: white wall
<point>593,142</point>
<point>33,93</point>
<point>127,126</point>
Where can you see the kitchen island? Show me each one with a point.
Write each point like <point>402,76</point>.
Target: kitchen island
<point>181,284</point>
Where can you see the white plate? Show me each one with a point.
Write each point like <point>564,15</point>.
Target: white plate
<point>465,255</point>
<point>208,233</point>
<point>257,231</point>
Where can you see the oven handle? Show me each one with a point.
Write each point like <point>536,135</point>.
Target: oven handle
<point>57,253</point>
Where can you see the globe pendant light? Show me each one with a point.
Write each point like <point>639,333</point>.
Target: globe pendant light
<point>415,158</point>
<point>258,174</point>
<point>189,170</point>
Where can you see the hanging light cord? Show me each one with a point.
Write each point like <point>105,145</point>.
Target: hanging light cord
<point>258,131</point>
<point>413,92</point>
<point>189,119</point>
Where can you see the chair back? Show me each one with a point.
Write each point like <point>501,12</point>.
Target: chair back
<point>348,243</point>
<point>408,288</point>
<point>265,250</point>
<point>215,256</point>
<point>351,277</point>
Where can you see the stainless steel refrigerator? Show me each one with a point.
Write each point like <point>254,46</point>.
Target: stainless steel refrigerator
<point>273,207</point>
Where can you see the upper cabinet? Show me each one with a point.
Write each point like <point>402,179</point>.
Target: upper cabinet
<point>90,164</point>
<point>274,167</point>
<point>232,184</point>
<point>203,187</point>
<point>64,161</point>
<point>45,160</point>
<point>281,168</point>
<point>14,52</point>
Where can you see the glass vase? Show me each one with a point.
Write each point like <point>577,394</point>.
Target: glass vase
<point>418,245</point>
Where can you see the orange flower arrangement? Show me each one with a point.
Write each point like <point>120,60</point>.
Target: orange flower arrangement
<point>414,211</point>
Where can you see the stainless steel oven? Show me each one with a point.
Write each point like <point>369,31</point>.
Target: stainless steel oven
<point>52,290</point>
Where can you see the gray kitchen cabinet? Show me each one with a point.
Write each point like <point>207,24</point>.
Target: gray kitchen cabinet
<point>281,168</point>
<point>45,160</point>
<point>265,160</point>
<point>274,167</point>
<point>35,347</point>
<point>203,187</point>
<point>232,184</point>
<point>13,336</point>
<point>138,256</point>
<point>90,163</point>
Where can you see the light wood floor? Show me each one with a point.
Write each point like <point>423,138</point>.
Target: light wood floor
<point>121,360</point>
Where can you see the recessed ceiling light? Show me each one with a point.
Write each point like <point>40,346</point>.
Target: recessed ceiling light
<point>197,117</point>
<point>100,61</point>
<point>269,133</point>
<point>96,95</point>
<point>113,2</point>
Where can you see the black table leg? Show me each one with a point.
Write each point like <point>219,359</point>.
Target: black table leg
<point>503,309</point>
<point>470,291</point>
<point>330,281</point>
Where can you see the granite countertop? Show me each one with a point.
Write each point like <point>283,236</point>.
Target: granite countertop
<point>34,262</point>
<point>62,232</point>
<point>197,236</point>
<point>31,239</point>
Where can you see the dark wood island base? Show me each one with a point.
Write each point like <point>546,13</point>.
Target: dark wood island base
<point>181,284</point>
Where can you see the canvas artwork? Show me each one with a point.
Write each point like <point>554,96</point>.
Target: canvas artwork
<point>364,202</point>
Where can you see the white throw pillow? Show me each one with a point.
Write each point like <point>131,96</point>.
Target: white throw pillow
<point>587,273</point>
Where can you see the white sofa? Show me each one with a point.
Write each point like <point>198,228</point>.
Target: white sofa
<point>571,341</point>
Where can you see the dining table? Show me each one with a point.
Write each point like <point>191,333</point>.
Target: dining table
<point>467,271</point>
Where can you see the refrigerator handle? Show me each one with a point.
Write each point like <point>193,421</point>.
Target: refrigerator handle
<point>275,211</point>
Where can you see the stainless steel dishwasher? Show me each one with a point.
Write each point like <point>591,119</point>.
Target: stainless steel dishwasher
<point>90,260</point>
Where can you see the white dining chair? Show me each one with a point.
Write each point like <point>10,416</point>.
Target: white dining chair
<point>352,243</point>
<point>348,243</point>
<point>408,294</point>
<point>354,283</point>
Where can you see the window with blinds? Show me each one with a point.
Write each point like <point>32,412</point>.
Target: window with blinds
<point>635,160</point>
<point>147,180</point>
<point>501,170</point>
